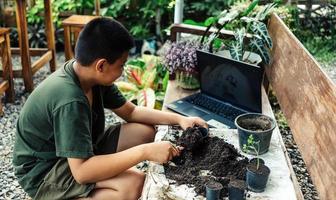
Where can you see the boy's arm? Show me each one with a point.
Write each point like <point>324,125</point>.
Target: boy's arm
<point>102,167</point>
<point>132,113</point>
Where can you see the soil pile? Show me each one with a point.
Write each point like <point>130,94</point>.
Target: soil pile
<point>213,155</point>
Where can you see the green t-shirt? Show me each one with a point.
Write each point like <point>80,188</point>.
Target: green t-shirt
<point>57,121</point>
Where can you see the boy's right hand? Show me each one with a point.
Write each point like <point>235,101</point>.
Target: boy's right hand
<point>161,152</point>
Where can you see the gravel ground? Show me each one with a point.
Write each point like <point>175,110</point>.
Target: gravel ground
<point>9,187</point>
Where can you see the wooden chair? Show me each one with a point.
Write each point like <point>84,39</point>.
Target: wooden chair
<point>47,54</point>
<point>6,83</point>
<point>72,27</point>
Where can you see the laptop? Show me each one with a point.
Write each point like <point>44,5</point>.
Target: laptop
<point>228,88</point>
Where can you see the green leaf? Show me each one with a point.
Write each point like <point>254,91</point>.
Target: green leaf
<point>236,51</point>
<point>210,21</point>
<point>228,17</point>
<point>137,62</point>
<point>248,19</point>
<point>250,8</point>
<point>267,9</point>
<point>146,98</point>
<point>134,74</point>
<point>239,35</point>
<point>260,29</point>
<point>165,81</point>
<point>192,22</point>
<point>257,44</point>
<point>148,78</point>
<point>217,43</point>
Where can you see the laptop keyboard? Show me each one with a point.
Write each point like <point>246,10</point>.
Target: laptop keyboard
<point>216,107</point>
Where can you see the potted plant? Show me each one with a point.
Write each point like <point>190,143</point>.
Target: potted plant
<point>250,33</point>
<point>257,173</point>
<point>258,126</point>
<point>145,81</point>
<point>180,60</point>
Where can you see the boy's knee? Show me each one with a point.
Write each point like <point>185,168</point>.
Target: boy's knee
<point>149,133</point>
<point>137,182</point>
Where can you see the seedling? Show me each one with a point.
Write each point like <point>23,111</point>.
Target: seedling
<point>252,145</point>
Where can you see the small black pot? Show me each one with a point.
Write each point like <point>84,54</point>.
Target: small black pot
<point>237,189</point>
<point>264,135</point>
<point>256,179</point>
<point>213,190</point>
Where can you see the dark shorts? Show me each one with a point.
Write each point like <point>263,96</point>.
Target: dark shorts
<point>59,182</point>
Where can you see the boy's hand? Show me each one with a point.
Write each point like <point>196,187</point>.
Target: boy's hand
<point>161,152</point>
<point>186,122</point>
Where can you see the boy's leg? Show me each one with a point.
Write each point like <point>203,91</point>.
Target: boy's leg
<point>123,136</point>
<point>132,134</point>
<point>119,188</point>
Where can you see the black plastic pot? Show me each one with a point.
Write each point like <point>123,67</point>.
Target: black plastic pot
<point>237,189</point>
<point>259,126</point>
<point>256,179</point>
<point>212,190</point>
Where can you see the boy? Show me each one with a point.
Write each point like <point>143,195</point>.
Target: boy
<point>61,149</point>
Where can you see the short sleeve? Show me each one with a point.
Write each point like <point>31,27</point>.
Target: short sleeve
<point>112,97</point>
<point>72,130</point>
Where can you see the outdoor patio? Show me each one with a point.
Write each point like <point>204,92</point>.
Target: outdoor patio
<point>159,97</point>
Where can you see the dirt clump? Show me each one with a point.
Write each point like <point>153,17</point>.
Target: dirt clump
<point>192,138</point>
<point>211,159</point>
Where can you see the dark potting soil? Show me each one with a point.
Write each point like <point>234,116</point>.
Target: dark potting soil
<point>259,123</point>
<point>214,185</point>
<point>212,154</point>
<point>262,170</point>
<point>191,139</point>
<point>240,184</point>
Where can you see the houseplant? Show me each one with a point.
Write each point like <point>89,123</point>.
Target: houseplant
<point>258,126</point>
<point>257,173</point>
<point>180,60</point>
<point>250,32</point>
<point>145,81</point>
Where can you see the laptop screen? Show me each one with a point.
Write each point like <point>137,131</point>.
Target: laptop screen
<point>230,81</point>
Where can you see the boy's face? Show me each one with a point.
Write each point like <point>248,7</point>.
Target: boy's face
<point>107,73</point>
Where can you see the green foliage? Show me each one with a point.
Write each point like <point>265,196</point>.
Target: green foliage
<point>258,45</point>
<point>252,145</point>
<point>201,9</point>
<point>250,8</point>
<point>35,15</point>
<point>317,33</point>
<point>323,48</point>
<point>37,36</point>
<point>237,45</point>
<point>146,81</point>
<point>142,18</point>
<point>242,19</point>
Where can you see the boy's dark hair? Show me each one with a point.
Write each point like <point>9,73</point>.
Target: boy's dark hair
<point>102,38</point>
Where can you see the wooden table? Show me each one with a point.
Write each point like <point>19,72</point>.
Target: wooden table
<point>282,182</point>
<point>47,54</point>
<point>75,24</point>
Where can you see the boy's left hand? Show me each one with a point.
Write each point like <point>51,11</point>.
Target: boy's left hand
<point>186,122</point>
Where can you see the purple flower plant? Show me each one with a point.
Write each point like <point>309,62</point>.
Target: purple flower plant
<point>181,56</point>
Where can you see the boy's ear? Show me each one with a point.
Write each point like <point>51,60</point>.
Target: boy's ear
<point>100,64</point>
